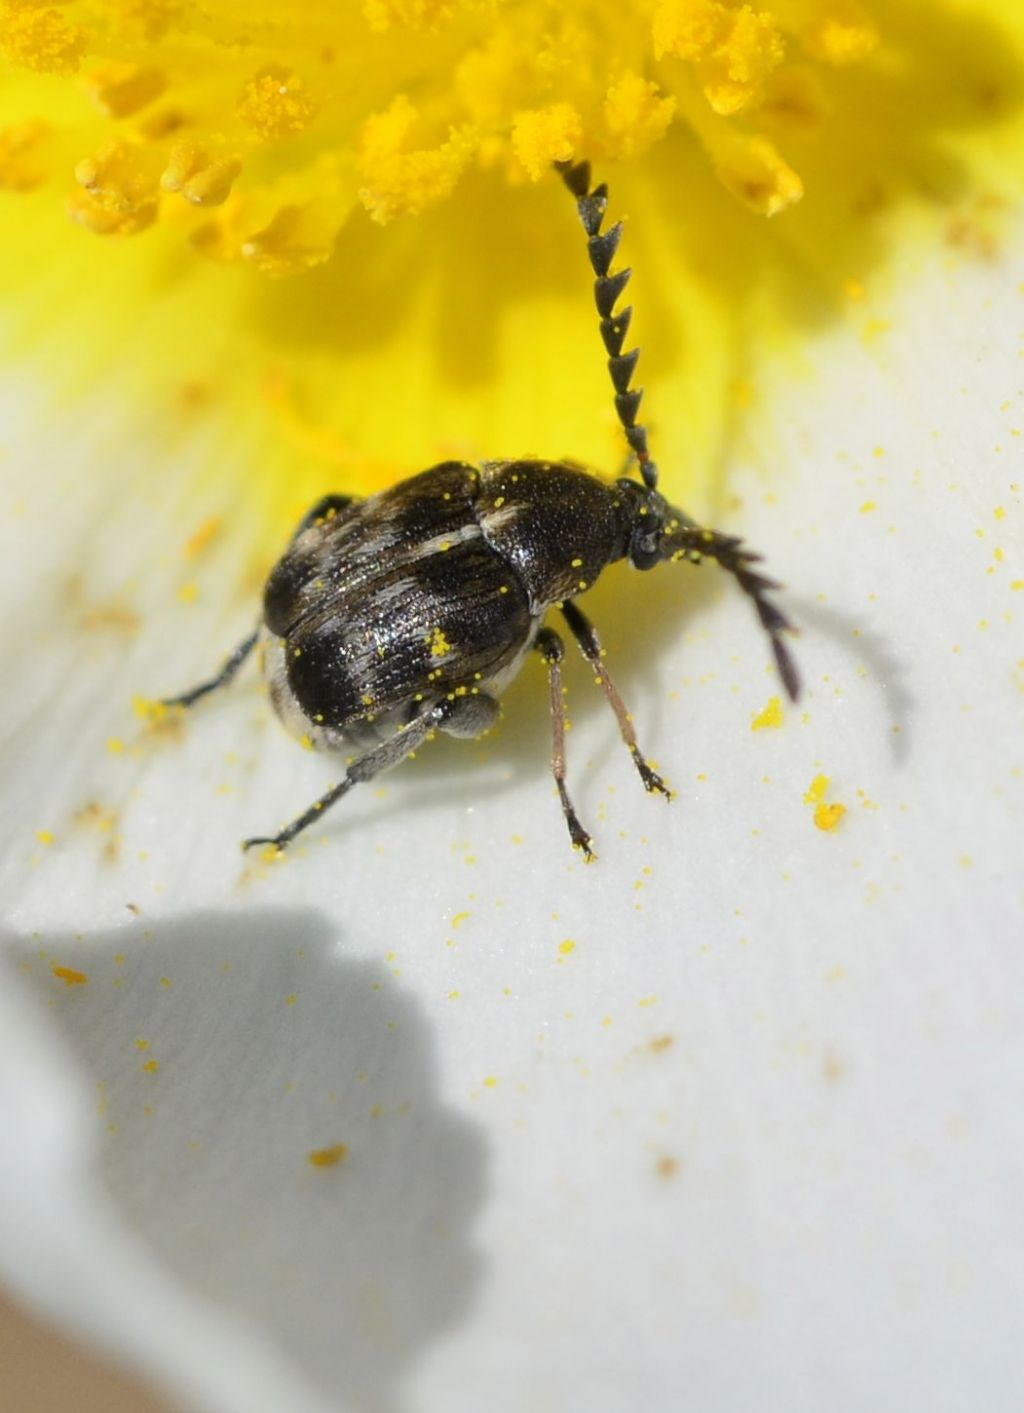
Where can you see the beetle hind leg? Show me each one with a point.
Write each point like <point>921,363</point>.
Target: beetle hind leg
<point>590,646</point>
<point>550,647</point>
<point>379,758</point>
<point>223,677</point>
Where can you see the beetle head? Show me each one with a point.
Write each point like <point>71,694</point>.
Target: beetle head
<point>647,516</point>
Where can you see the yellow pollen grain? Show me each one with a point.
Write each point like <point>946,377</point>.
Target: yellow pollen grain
<point>770,717</point>
<point>328,1157</point>
<point>636,115</point>
<point>541,136</point>
<point>827,817</point>
<point>68,975</point>
<point>41,39</point>
<point>306,742</point>
<point>490,1082</point>
<point>567,947</point>
<point>459,918</point>
<point>45,837</point>
<point>868,506</point>
<point>115,746</point>
<point>275,103</point>
<point>141,1044</point>
<point>188,593</point>
<point>816,790</point>
<point>733,50</point>
<point>439,644</point>
<point>401,179</point>
<point>151,1066</point>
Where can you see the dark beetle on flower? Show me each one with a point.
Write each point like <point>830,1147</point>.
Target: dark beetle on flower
<point>409,612</point>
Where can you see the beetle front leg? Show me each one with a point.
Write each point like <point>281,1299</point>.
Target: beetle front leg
<point>590,646</point>
<point>380,758</point>
<point>550,647</point>
<point>222,678</point>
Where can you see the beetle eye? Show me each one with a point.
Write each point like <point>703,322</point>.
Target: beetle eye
<point>645,545</point>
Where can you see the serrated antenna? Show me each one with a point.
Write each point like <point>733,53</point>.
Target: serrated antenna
<point>601,247</point>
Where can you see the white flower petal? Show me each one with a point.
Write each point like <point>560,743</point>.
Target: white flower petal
<point>750,1139</point>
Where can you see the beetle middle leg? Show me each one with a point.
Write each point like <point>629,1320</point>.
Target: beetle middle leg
<point>590,645</point>
<point>551,648</point>
<point>222,678</point>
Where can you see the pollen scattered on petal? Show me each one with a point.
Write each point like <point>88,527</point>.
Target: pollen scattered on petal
<point>827,816</point>
<point>40,38</point>
<point>69,975</point>
<point>541,136</point>
<point>328,1157</point>
<point>275,103</point>
<point>636,115</point>
<point>769,717</point>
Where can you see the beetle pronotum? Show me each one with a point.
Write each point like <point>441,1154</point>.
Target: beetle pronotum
<point>409,612</point>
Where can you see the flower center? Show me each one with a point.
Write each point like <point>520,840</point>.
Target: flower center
<point>258,137</point>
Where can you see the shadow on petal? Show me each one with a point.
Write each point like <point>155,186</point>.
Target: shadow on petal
<point>230,1048</point>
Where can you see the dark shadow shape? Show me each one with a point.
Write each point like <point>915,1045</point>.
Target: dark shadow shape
<point>353,1270</point>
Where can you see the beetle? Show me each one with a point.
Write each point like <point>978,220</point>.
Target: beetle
<point>409,612</point>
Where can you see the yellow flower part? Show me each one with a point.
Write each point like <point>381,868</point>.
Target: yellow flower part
<point>393,158</point>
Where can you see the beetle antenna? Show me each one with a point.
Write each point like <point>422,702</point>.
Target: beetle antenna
<point>601,248</point>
